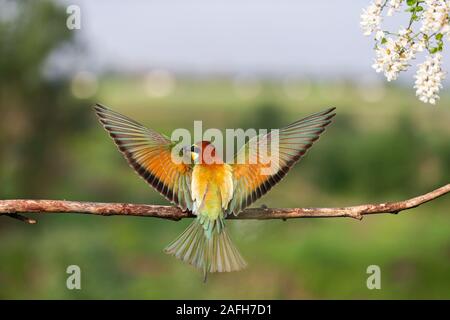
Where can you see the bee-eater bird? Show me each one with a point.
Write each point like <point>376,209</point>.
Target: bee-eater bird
<point>208,187</point>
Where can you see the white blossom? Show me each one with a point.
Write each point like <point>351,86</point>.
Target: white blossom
<point>435,17</point>
<point>393,56</point>
<point>394,5</point>
<point>446,29</point>
<point>394,51</point>
<point>419,45</point>
<point>403,31</point>
<point>379,35</point>
<point>429,78</point>
<point>371,17</point>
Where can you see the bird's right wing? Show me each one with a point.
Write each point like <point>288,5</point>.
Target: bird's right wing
<point>149,154</point>
<point>253,179</point>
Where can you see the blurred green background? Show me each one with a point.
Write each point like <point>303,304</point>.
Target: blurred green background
<point>384,145</point>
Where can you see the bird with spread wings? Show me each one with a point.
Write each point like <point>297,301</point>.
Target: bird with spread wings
<point>208,187</point>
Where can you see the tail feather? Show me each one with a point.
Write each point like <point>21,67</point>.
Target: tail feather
<point>216,253</point>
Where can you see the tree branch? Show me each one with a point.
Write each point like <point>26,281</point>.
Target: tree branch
<point>12,208</point>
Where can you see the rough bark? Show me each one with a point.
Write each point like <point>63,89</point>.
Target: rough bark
<point>14,208</point>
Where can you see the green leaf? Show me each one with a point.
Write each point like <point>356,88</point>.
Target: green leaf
<point>411,2</point>
<point>383,41</point>
<point>439,36</point>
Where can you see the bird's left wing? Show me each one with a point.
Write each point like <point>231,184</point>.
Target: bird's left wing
<point>258,173</point>
<point>149,154</point>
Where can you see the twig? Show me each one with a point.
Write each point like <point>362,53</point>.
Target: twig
<point>21,218</point>
<point>12,208</point>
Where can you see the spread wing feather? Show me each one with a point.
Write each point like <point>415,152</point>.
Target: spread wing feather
<point>251,175</point>
<point>149,154</point>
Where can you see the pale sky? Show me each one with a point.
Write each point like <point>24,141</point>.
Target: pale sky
<point>312,38</point>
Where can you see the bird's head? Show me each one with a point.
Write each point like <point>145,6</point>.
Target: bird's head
<point>203,152</point>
